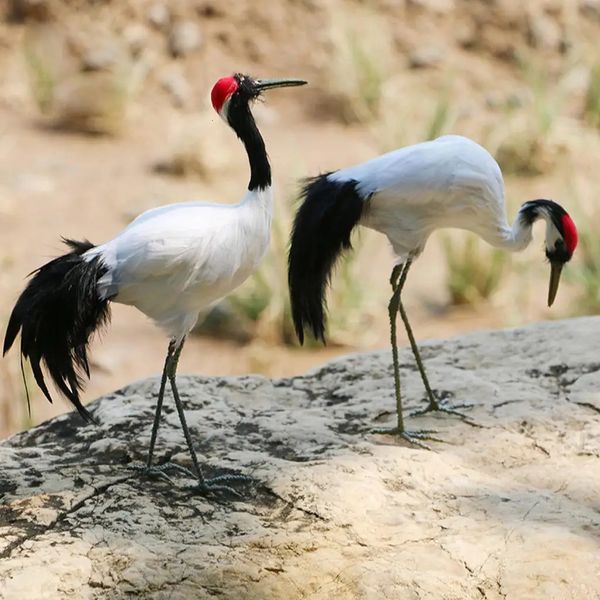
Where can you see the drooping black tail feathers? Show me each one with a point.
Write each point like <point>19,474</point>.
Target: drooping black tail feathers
<point>57,313</point>
<point>329,212</point>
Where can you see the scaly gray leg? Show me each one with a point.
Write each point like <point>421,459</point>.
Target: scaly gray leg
<point>214,484</point>
<point>159,402</point>
<point>397,281</point>
<point>206,485</point>
<point>434,404</point>
<point>160,470</point>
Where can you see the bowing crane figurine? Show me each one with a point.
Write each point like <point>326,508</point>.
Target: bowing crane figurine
<point>170,263</point>
<point>406,195</point>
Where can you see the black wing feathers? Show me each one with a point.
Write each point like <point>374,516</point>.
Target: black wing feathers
<point>56,314</point>
<point>329,212</point>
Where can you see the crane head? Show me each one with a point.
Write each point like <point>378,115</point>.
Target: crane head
<point>561,236</point>
<point>561,241</point>
<point>239,90</point>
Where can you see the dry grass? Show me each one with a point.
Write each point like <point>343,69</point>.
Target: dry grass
<point>592,98</point>
<point>585,273</point>
<point>527,143</point>
<point>73,93</point>
<point>584,270</point>
<point>357,68</point>
<point>424,114</point>
<point>474,270</point>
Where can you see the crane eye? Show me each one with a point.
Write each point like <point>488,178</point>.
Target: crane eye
<point>559,252</point>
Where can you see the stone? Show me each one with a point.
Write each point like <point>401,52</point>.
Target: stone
<point>197,148</point>
<point>136,38</point>
<point>159,15</point>
<point>425,57</point>
<point>590,8</point>
<point>175,83</point>
<point>224,321</point>
<point>101,56</point>
<point>544,32</point>
<point>505,508</point>
<point>185,37</point>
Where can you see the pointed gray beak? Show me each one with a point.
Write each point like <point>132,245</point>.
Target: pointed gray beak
<point>555,270</point>
<point>269,84</point>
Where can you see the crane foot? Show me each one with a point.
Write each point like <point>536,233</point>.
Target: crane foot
<point>159,471</point>
<point>218,484</point>
<point>416,438</point>
<point>443,406</point>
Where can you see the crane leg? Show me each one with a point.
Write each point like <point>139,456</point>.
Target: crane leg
<point>434,404</point>
<point>397,280</point>
<point>159,403</point>
<point>214,484</point>
<point>160,470</point>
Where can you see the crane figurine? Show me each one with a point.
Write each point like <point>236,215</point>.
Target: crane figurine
<point>171,262</point>
<point>406,195</point>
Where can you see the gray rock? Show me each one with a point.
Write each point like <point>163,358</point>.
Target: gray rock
<point>136,38</point>
<point>173,81</point>
<point>506,508</point>
<point>101,56</point>
<point>225,322</point>
<point>425,57</point>
<point>590,8</point>
<point>185,37</point>
<point>159,15</point>
<point>544,32</point>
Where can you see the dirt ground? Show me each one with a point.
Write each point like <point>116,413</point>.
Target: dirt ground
<point>54,182</point>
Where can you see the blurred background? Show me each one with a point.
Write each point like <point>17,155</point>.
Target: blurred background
<point>105,112</point>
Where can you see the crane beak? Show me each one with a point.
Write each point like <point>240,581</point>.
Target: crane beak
<point>555,270</point>
<point>269,84</point>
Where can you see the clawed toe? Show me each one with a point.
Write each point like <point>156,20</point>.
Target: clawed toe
<point>159,471</point>
<point>221,484</point>
<point>218,485</point>
<point>153,472</point>
<point>444,406</point>
<point>416,438</point>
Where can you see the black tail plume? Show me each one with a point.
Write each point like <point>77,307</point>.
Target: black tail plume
<point>321,232</point>
<point>57,313</point>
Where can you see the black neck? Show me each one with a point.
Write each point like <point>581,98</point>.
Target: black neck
<point>241,120</point>
<point>537,209</point>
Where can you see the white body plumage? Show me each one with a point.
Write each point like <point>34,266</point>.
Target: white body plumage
<point>407,194</point>
<point>448,182</point>
<point>171,263</point>
<point>175,261</point>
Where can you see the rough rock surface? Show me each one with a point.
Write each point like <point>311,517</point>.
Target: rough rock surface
<point>509,508</point>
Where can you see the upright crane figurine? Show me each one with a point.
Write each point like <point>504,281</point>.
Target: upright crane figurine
<point>407,194</point>
<point>171,262</point>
